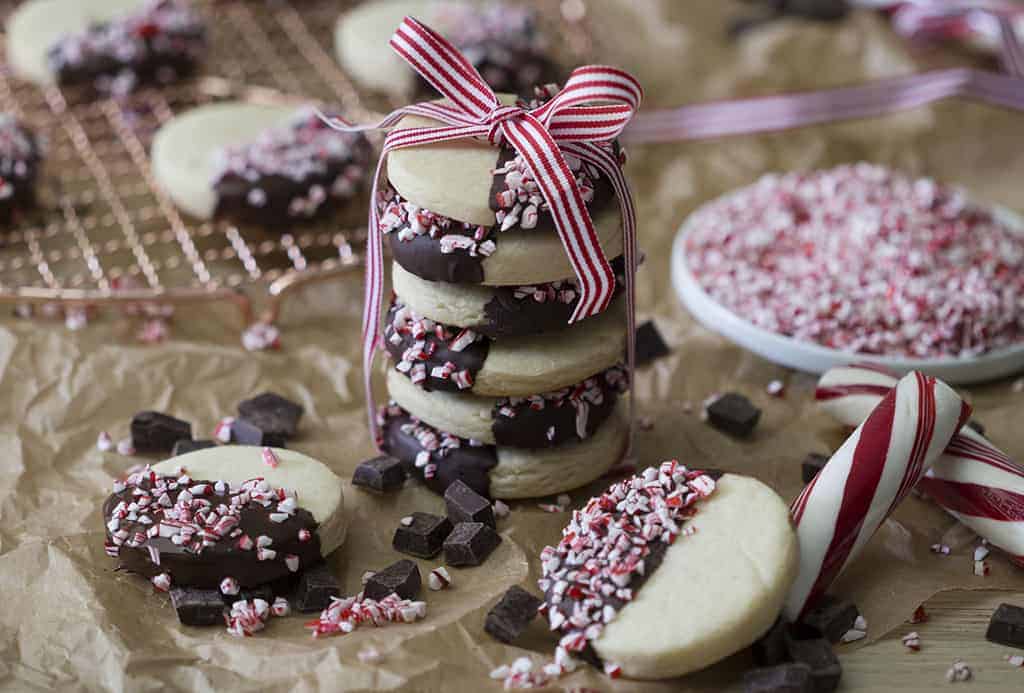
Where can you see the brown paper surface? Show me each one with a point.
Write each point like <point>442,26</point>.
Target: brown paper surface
<point>68,621</point>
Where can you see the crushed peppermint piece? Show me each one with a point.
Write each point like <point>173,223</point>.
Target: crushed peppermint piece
<point>104,442</point>
<point>125,447</point>
<point>501,509</point>
<point>942,549</point>
<point>247,617</point>
<point>981,553</point>
<point>222,432</point>
<point>958,672</point>
<point>860,623</point>
<point>269,458</point>
<point>280,607</point>
<point>261,336</point>
<point>368,654</point>
<point>863,259</point>
<point>439,579</point>
<point>853,635</point>
<point>407,521</point>
<point>776,388</point>
<point>229,586</point>
<point>161,582</point>
<point>981,568</point>
<point>912,641</point>
<point>346,614</point>
<point>920,616</point>
<point>1015,660</point>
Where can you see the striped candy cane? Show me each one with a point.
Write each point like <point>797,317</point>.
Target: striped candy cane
<point>591,111</point>
<point>840,510</point>
<point>973,480</point>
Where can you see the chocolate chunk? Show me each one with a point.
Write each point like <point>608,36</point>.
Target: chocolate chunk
<point>734,414</point>
<point>820,10</point>
<point>247,433</point>
<point>197,607</point>
<point>817,654</point>
<point>466,505</point>
<point>423,537</point>
<point>784,678</point>
<point>272,414</point>
<point>470,543</point>
<point>978,427</point>
<point>649,344</point>
<point>188,445</point>
<point>1007,626</point>
<point>831,617</point>
<point>317,586</point>
<point>812,464</point>
<point>156,432</point>
<point>381,474</point>
<point>770,648</point>
<point>507,619</point>
<point>401,578</point>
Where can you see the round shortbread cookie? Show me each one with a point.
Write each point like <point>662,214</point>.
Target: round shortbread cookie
<point>441,357</point>
<point>361,43</point>
<point>716,590</point>
<point>36,26</point>
<point>503,472</point>
<point>545,420</point>
<point>257,163</point>
<point>261,521</point>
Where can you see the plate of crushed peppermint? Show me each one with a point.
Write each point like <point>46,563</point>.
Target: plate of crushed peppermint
<point>814,270</point>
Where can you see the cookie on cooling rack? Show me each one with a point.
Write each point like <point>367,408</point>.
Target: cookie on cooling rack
<point>502,40</point>
<point>20,158</point>
<point>268,165</point>
<point>247,513</point>
<point>115,45</point>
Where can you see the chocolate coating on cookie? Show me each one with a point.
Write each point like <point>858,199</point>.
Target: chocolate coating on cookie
<point>432,355</point>
<point>301,171</point>
<point>436,457</point>
<point>200,531</point>
<point>160,43</point>
<point>553,418</point>
<point>20,158</point>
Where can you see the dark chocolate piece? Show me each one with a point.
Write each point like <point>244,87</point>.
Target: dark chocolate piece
<point>820,10</point>
<point>272,413</point>
<point>782,678</point>
<point>978,427</point>
<point>811,465</point>
<point>770,649</point>
<point>423,537</point>
<point>831,617</point>
<point>247,433</point>
<point>401,578</point>
<point>1007,626</point>
<point>470,543</point>
<point>734,414</point>
<point>188,445</point>
<point>466,505</point>
<point>454,458</point>
<point>198,607</point>
<point>817,654</point>
<point>649,344</point>
<point>513,613</point>
<point>20,159</point>
<point>317,586</point>
<point>156,432</point>
<point>381,474</point>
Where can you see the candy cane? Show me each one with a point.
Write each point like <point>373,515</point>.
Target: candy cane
<point>973,480</point>
<point>839,511</point>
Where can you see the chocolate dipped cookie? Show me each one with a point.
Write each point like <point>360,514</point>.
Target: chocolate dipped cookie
<point>20,159</point>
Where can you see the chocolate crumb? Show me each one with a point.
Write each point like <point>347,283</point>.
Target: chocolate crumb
<point>156,432</point>
<point>317,586</point>
<point>470,543</point>
<point>273,414</point>
<point>649,344</point>
<point>811,465</point>
<point>466,505</point>
<point>401,578</point>
<point>380,474</point>
<point>1007,626</point>
<point>197,607</point>
<point>421,535</point>
<point>831,617</point>
<point>513,613</point>
<point>734,414</point>
<point>782,678</point>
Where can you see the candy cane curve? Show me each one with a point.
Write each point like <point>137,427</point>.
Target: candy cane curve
<point>863,482</point>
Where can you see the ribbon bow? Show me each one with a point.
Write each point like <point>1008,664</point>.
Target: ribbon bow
<point>591,110</point>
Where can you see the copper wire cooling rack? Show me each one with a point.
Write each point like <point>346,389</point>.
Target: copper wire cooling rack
<point>105,234</point>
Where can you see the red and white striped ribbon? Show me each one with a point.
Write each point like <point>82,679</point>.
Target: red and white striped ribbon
<point>842,507</point>
<point>973,480</point>
<point>591,110</point>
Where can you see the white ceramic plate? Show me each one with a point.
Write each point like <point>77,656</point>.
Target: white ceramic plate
<point>814,358</point>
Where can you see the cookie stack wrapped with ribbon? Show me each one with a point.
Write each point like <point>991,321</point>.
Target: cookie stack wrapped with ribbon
<point>513,243</point>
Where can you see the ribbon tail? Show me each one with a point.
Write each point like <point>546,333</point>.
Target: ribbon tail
<point>372,298</point>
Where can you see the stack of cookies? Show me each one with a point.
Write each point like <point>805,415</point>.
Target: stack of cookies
<point>488,382</point>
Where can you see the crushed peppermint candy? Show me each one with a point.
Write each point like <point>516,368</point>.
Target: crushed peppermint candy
<point>346,614</point>
<point>776,388</point>
<point>222,431</point>
<point>523,673</point>
<point>942,549</point>
<point>919,616</point>
<point>439,579</point>
<point>912,641</point>
<point>1015,660</point>
<point>416,343</point>
<point>863,259</point>
<point>229,586</point>
<point>368,654</point>
<point>161,582</point>
<point>981,568</point>
<point>621,536</point>
<point>104,442</point>
<point>981,553</point>
<point>269,458</point>
<point>958,672</point>
<point>280,607</point>
<point>247,617</point>
<point>261,336</point>
<point>125,447</point>
<point>501,509</point>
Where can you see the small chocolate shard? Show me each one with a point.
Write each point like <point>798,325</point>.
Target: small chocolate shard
<point>649,344</point>
<point>153,431</point>
<point>831,617</point>
<point>380,474</point>
<point>198,607</point>
<point>817,654</point>
<point>734,414</point>
<point>317,586</point>
<point>770,648</point>
<point>470,543</point>
<point>188,445</point>
<point>245,432</point>
<point>273,414</point>
<point>401,578</point>
<point>782,678</point>
<point>1007,626</point>
<point>811,465</point>
<point>466,505</point>
<point>421,535</point>
<point>513,613</point>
